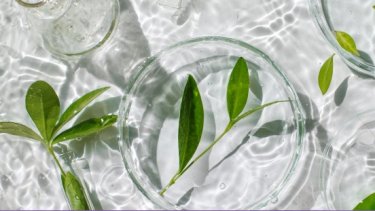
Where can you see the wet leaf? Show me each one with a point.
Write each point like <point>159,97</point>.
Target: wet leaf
<point>367,204</point>
<point>238,89</point>
<point>78,106</point>
<point>43,106</point>
<point>86,128</point>
<point>190,122</point>
<point>347,42</point>
<point>18,130</point>
<point>74,192</point>
<point>325,75</point>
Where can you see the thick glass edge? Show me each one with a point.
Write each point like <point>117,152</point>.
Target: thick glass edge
<point>31,5</point>
<point>326,161</point>
<point>106,38</point>
<point>296,107</point>
<point>357,64</point>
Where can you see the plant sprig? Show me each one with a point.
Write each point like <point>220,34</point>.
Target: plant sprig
<point>192,116</point>
<point>43,107</point>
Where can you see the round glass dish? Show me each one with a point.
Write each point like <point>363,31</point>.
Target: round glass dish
<point>73,28</point>
<point>251,165</point>
<point>353,17</point>
<point>348,168</point>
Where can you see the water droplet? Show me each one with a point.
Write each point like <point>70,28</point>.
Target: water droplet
<point>77,197</point>
<point>222,186</point>
<point>42,177</point>
<point>274,200</point>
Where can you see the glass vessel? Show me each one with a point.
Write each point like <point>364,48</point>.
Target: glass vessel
<point>348,170</point>
<point>253,163</point>
<point>353,17</point>
<point>72,27</point>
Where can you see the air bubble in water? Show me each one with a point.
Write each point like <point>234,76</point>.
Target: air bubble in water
<point>222,186</point>
<point>274,200</point>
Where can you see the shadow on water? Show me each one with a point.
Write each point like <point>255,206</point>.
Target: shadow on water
<point>367,58</point>
<point>315,132</point>
<point>340,92</point>
<point>115,61</point>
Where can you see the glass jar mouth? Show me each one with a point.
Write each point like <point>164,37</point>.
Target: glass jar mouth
<point>322,22</point>
<point>141,71</point>
<point>31,5</point>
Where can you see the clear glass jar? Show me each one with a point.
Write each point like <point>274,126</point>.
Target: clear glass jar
<point>72,27</point>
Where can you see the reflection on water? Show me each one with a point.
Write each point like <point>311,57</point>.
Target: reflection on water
<point>281,28</point>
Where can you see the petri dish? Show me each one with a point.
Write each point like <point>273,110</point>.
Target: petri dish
<point>250,167</point>
<point>348,167</point>
<point>356,18</point>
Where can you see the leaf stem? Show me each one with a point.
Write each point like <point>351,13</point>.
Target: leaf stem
<point>226,130</point>
<point>50,150</point>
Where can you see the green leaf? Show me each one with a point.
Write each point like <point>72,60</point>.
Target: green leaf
<point>190,123</point>
<point>367,204</point>
<point>238,89</point>
<point>78,106</point>
<point>18,130</point>
<point>86,128</point>
<point>325,75</point>
<point>43,106</point>
<point>74,192</point>
<point>347,42</point>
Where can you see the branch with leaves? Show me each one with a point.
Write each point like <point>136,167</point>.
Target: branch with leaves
<point>191,119</point>
<point>43,107</point>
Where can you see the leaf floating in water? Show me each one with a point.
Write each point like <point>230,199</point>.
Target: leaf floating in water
<point>74,191</point>
<point>43,106</point>
<point>367,204</point>
<point>78,105</point>
<point>347,42</point>
<point>325,75</point>
<point>18,130</point>
<point>86,128</point>
<point>190,123</point>
<point>238,89</point>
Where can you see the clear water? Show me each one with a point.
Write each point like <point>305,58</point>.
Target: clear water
<point>71,27</point>
<point>281,28</point>
<point>252,160</point>
<point>356,18</point>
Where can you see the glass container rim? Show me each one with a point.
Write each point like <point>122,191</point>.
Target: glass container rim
<point>31,5</point>
<point>321,23</point>
<point>326,161</point>
<point>141,70</point>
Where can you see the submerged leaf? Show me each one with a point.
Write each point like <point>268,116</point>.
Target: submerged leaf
<point>74,192</point>
<point>367,204</point>
<point>238,89</point>
<point>86,128</point>
<point>325,75</point>
<point>347,42</point>
<point>18,130</point>
<point>43,106</point>
<point>77,106</point>
<point>190,122</point>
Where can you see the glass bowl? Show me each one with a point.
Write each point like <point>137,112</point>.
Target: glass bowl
<point>251,165</point>
<point>354,17</point>
<point>348,168</point>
